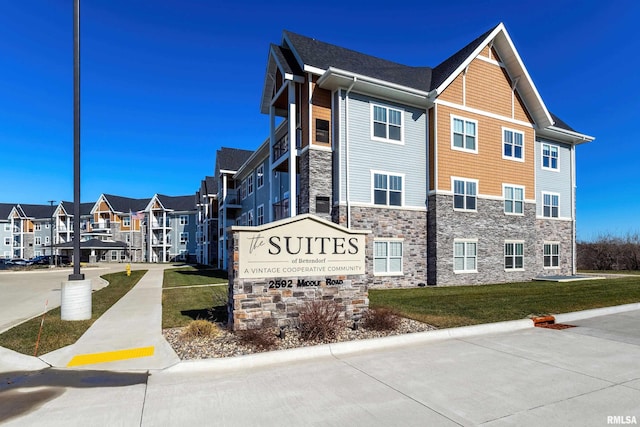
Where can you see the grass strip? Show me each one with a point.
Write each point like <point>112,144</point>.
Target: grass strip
<point>58,333</point>
<point>189,276</point>
<point>180,306</point>
<point>447,307</point>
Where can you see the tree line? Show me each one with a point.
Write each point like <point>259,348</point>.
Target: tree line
<point>610,252</point>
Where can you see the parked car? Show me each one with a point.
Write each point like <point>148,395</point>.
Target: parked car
<point>19,261</point>
<point>40,260</point>
<point>46,260</point>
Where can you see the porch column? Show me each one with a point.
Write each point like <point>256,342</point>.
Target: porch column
<point>293,135</point>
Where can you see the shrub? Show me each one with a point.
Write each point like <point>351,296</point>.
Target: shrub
<point>258,339</point>
<point>320,321</point>
<point>201,329</point>
<point>381,319</point>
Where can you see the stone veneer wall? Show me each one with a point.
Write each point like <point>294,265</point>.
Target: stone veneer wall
<point>253,304</point>
<point>409,225</point>
<point>316,179</point>
<point>491,227</point>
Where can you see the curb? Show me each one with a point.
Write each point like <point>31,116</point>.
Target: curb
<point>595,312</point>
<point>345,348</point>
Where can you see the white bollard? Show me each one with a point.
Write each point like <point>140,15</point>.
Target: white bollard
<point>75,303</point>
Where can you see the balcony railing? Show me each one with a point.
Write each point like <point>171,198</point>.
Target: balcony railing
<point>281,209</point>
<point>157,223</point>
<point>233,197</point>
<point>281,147</point>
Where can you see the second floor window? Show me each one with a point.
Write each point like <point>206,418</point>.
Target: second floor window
<point>184,238</point>
<point>38,226</point>
<point>464,194</point>
<point>387,189</point>
<point>260,215</point>
<point>184,220</point>
<point>550,205</point>
<point>513,199</point>
<point>38,240</point>
<point>386,123</point>
<point>250,185</point>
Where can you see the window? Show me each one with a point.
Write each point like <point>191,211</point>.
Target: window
<point>465,256</point>
<point>387,189</point>
<point>465,193</point>
<point>127,238</point>
<point>7,241</point>
<point>549,157</point>
<point>46,226</point>
<point>46,240</point>
<point>114,255</point>
<point>513,143</point>
<point>184,220</point>
<point>551,255</point>
<point>464,134</point>
<point>250,185</point>
<point>260,174</point>
<point>514,256</point>
<point>250,218</point>
<point>322,130</point>
<point>38,240</point>
<point>386,123</point>
<point>513,199</point>
<point>243,189</point>
<point>550,205</point>
<point>387,257</point>
<point>260,215</point>
<point>38,226</point>
<point>126,221</point>
<point>184,238</point>
<point>323,205</point>
<point>7,227</point>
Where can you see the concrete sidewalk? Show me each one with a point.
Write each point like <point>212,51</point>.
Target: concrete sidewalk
<point>127,337</point>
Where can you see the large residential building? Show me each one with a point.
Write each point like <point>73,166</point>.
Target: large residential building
<point>460,171</point>
<point>113,229</point>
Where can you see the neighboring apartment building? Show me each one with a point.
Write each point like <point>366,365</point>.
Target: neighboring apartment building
<point>113,229</point>
<point>460,171</point>
<point>31,230</point>
<point>6,235</point>
<point>207,221</point>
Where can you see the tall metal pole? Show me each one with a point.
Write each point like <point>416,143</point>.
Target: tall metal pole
<point>51,227</point>
<point>76,143</point>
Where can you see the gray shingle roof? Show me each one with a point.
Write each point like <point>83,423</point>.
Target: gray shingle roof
<point>324,55</point>
<point>5,210</point>
<point>126,204</point>
<point>178,203</point>
<point>231,158</point>
<point>37,211</point>
<point>85,208</point>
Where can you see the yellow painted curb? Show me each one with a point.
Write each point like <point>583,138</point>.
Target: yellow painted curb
<point>110,356</point>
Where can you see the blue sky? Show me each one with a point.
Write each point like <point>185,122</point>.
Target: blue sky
<point>167,83</point>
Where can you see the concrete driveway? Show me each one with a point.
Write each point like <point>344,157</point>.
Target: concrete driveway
<point>583,376</point>
<point>24,293</point>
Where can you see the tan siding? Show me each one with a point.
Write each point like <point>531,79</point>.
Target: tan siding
<point>487,166</point>
<point>453,92</point>
<point>519,111</point>
<point>494,55</point>
<point>321,101</point>
<point>486,51</point>
<point>488,88</point>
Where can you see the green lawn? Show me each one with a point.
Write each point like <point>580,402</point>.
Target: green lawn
<point>190,276</point>
<point>454,306</point>
<point>57,333</point>
<point>182,304</point>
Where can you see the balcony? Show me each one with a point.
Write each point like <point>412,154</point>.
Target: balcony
<point>281,147</point>
<point>233,199</point>
<point>157,223</point>
<point>101,225</point>
<point>281,209</point>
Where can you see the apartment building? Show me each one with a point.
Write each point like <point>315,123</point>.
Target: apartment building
<point>207,221</point>
<point>460,171</point>
<point>113,229</point>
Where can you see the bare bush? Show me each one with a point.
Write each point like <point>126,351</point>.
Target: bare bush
<point>259,339</point>
<point>201,329</point>
<point>320,321</point>
<point>381,319</point>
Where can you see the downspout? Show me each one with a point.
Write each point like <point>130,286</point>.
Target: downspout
<point>573,211</point>
<point>346,148</point>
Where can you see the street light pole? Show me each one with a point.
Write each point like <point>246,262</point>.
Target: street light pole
<point>51,232</point>
<point>76,143</point>
<point>75,296</point>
